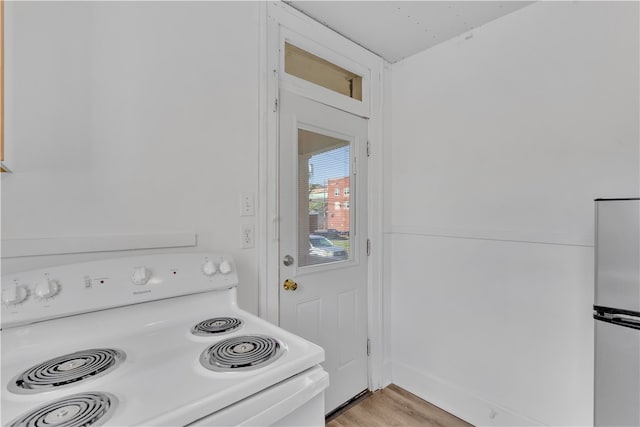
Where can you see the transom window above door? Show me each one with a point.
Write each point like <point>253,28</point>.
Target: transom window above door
<point>305,65</point>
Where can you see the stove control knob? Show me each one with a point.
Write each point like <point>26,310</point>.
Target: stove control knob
<point>209,268</point>
<point>14,294</point>
<point>140,276</point>
<point>225,267</point>
<point>47,288</point>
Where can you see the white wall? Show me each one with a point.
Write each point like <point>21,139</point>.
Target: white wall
<point>500,141</point>
<point>131,117</point>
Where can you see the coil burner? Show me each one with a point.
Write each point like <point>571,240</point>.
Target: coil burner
<point>67,370</point>
<point>78,410</point>
<point>216,326</point>
<point>241,353</point>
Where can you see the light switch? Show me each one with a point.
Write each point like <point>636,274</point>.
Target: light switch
<point>246,204</point>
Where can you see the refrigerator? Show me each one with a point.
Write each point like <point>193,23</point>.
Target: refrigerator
<point>617,313</point>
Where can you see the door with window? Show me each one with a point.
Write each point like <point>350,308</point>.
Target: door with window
<point>323,224</point>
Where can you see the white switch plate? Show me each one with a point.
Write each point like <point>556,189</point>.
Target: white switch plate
<point>246,204</point>
<point>246,237</point>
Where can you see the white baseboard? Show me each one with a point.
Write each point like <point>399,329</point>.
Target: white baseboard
<point>456,400</point>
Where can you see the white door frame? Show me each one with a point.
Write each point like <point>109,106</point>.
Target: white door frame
<point>275,16</point>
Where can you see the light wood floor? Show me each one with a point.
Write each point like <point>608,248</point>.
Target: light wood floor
<point>394,406</point>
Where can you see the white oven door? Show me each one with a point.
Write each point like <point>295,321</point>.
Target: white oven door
<point>296,401</point>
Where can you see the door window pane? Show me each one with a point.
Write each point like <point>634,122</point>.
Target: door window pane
<point>324,226</point>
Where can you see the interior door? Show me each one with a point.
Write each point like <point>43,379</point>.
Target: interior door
<point>323,223</point>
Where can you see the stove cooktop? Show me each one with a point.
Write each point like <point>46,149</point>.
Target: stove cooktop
<point>148,362</point>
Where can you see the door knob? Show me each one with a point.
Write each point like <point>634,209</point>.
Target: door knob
<point>290,285</point>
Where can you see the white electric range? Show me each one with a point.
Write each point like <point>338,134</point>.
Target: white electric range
<point>149,340</point>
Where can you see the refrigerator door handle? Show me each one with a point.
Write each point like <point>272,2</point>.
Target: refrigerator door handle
<point>619,319</point>
<point>626,320</point>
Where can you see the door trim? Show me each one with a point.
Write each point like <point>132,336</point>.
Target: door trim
<point>273,16</point>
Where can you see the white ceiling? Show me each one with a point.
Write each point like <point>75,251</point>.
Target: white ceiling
<point>395,30</point>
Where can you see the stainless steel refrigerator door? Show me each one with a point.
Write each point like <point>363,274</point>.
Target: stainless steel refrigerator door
<point>617,375</point>
<point>618,254</point>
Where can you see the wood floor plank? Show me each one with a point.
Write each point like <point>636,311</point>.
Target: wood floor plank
<point>395,407</point>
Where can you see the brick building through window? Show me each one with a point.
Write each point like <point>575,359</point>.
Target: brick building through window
<point>338,194</point>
